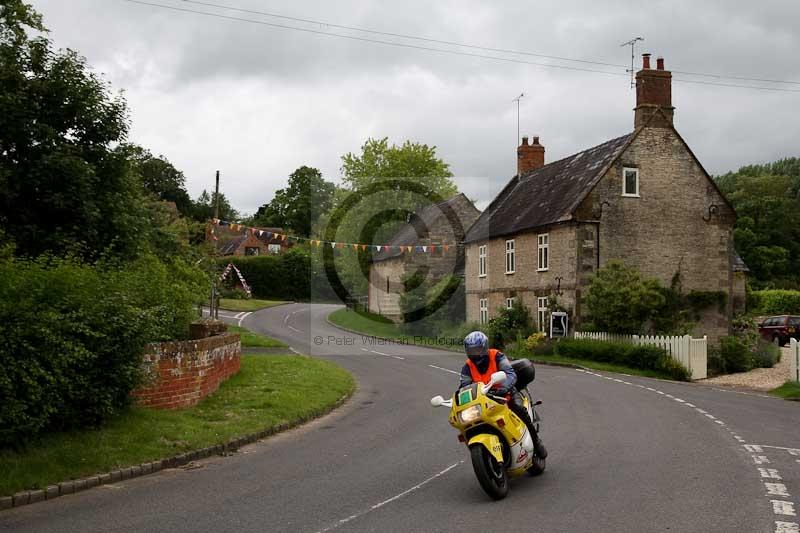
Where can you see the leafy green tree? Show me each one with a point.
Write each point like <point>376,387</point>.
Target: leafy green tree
<point>159,177</point>
<point>299,205</point>
<point>767,232</point>
<point>203,209</point>
<point>384,185</point>
<point>62,187</point>
<point>620,300</point>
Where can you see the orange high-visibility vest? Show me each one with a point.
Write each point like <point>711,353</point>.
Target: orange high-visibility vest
<point>491,368</point>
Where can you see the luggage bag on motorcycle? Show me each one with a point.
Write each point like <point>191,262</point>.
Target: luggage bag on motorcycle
<point>525,372</point>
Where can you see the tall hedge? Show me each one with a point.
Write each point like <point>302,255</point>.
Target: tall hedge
<point>774,302</point>
<point>72,337</point>
<point>294,275</point>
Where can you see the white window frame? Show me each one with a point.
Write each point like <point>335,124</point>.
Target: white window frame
<point>543,256</point>
<point>510,302</point>
<point>511,256</point>
<point>482,261</point>
<point>274,249</point>
<point>625,170</point>
<point>483,308</point>
<point>541,305</point>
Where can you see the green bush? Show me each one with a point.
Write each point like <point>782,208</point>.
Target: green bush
<point>766,354</point>
<point>508,325</point>
<point>625,354</point>
<point>297,275</point>
<point>716,364</point>
<point>427,308</point>
<point>736,356</point>
<point>774,302</point>
<point>73,336</point>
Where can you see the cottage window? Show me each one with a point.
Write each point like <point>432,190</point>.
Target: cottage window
<point>274,248</point>
<point>251,250</point>
<point>544,252</point>
<point>542,305</point>
<point>630,182</point>
<point>482,261</point>
<point>511,263</point>
<point>510,302</point>
<point>484,310</point>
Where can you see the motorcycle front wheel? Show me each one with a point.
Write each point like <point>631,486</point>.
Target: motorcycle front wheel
<point>491,475</point>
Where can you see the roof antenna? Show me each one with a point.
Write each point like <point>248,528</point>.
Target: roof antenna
<point>632,44</point>
<point>517,99</point>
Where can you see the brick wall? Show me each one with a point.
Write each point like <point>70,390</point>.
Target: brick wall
<point>180,374</point>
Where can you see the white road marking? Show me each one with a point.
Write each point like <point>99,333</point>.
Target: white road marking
<point>445,369</point>
<point>385,354</point>
<point>286,318</point>
<point>712,417</point>
<point>760,459</point>
<point>753,448</point>
<point>244,315</point>
<point>294,328</point>
<point>787,527</point>
<point>687,404</point>
<point>792,451</point>
<point>769,473</point>
<point>390,500</point>
<point>776,489</point>
<point>294,351</point>
<point>783,508</point>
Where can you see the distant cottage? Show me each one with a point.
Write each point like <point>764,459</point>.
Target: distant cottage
<point>643,198</point>
<point>251,243</point>
<point>435,226</point>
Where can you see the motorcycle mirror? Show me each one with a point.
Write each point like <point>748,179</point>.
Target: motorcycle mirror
<point>437,401</point>
<point>497,377</point>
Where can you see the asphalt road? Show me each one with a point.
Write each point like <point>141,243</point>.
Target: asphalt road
<point>626,455</point>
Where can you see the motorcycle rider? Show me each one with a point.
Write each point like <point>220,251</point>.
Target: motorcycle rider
<point>481,363</point>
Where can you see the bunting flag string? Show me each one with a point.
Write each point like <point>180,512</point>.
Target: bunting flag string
<point>227,271</point>
<point>283,237</point>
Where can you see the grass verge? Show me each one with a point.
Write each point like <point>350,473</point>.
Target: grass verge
<point>378,326</point>
<point>268,391</point>
<point>789,390</point>
<point>232,304</point>
<point>604,367</point>
<point>255,340</point>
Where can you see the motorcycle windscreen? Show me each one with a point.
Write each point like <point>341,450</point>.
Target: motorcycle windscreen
<point>467,394</point>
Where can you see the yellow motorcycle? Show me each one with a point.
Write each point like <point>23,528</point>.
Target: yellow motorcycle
<point>499,442</point>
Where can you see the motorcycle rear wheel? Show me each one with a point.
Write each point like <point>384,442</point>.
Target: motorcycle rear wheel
<point>491,475</point>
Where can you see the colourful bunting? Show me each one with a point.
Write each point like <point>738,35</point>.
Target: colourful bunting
<point>316,242</point>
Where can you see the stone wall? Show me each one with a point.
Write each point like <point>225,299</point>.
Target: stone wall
<point>180,374</point>
<point>526,283</point>
<point>679,223</point>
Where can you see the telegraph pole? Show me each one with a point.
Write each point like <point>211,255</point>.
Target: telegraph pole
<point>216,199</point>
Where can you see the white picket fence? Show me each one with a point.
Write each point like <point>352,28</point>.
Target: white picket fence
<point>691,353</point>
<point>794,360</point>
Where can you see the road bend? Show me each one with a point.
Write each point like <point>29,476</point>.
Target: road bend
<point>627,454</point>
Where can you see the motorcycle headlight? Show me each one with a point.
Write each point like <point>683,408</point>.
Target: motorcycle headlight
<point>470,415</point>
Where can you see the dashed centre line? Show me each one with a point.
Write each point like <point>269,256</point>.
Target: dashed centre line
<point>384,354</point>
<point>445,369</point>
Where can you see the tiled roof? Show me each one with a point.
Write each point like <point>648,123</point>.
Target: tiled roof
<point>548,194</point>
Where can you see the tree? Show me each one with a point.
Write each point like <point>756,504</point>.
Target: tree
<point>159,177</point>
<point>767,231</point>
<point>62,187</point>
<point>299,205</point>
<point>384,186</point>
<point>203,209</point>
<point>620,300</point>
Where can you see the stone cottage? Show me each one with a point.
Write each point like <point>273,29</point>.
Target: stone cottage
<point>643,198</point>
<point>440,229</point>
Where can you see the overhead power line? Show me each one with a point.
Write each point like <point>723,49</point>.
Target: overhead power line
<point>466,45</point>
<point>438,50</point>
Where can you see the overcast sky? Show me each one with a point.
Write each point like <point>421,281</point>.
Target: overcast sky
<point>257,101</point>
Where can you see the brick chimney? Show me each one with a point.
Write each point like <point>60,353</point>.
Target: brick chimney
<point>529,156</point>
<point>653,92</point>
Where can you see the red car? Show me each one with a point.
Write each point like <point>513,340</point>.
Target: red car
<point>779,329</point>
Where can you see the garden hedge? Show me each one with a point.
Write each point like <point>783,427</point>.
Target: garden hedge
<point>625,354</point>
<point>72,337</point>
